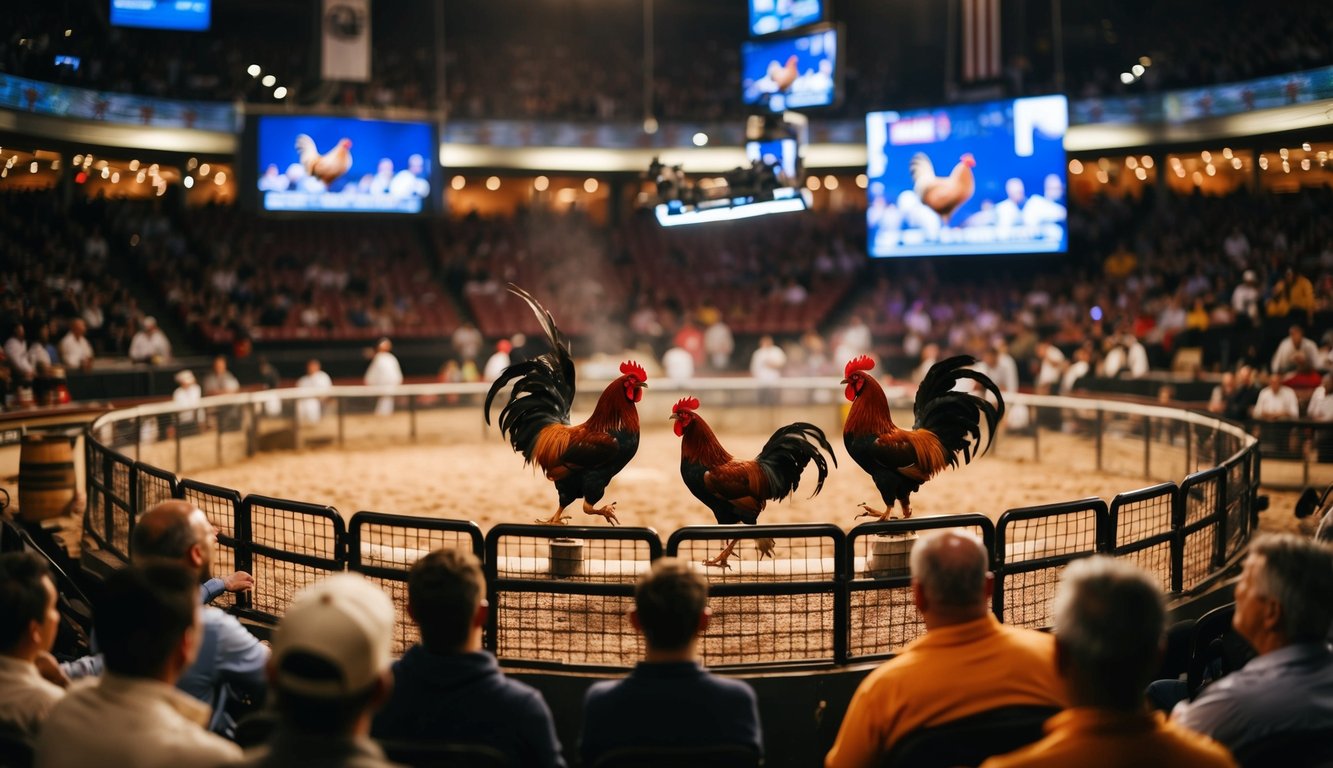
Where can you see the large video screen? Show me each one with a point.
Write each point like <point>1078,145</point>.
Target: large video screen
<point>188,15</point>
<point>314,163</point>
<point>777,153</point>
<point>769,16</point>
<point>793,72</point>
<point>970,179</point>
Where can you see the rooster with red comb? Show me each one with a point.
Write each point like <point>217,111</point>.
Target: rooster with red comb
<point>737,491</point>
<point>948,423</point>
<point>580,459</point>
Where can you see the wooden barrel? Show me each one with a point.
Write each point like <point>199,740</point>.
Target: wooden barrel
<point>47,483</point>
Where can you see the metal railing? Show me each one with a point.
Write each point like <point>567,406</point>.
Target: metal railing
<point>560,596</point>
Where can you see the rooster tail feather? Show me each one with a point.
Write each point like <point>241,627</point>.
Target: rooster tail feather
<point>956,417</point>
<point>923,173</point>
<point>543,387</point>
<point>786,454</point>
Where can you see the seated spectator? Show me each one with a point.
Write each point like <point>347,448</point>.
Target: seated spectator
<point>309,410</point>
<point>219,380</point>
<point>178,532</point>
<point>16,351</point>
<point>28,623</point>
<point>1284,610</point>
<point>689,706</point>
<point>446,688</point>
<point>1284,358</point>
<point>1109,634</point>
<point>965,664</point>
<point>148,627</point>
<point>76,352</point>
<point>150,344</point>
<point>329,672</point>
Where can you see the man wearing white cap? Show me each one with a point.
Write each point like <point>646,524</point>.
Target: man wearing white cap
<point>150,344</point>
<point>330,671</point>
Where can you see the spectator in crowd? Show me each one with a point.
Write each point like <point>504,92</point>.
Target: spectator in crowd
<point>689,705</point>
<point>1126,357</point>
<point>1284,359</point>
<point>1302,375</point>
<point>1276,401</point>
<point>467,342</point>
<point>1109,635</point>
<point>678,364</point>
<point>28,624</point>
<point>219,380</point>
<point>497,362</point>
<point>177,532</point>
<point>150,344</point>
<point>1051,364</point>
<point>1222,393</point>
<point>965,664</point>
<point>76,352</point>
<point>853,340</point>
<point>766,364</point>
<point>446,688</point>
<point>329,674</point>
<point>16,351</point>
<point>384,371</point>
<point>1240,402</point>
<point>188,393</point>
<point>718,342</point>
<point>309,410</point>
<point>1320,409</point>
<point>1284,610</point>
<point>41,353</point>
<point>1245,298</point>
<point>148,628</point>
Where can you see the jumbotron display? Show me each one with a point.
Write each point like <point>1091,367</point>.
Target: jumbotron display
<point>186,15</point>
<point>315,163</point>
<point>769,16</point>
<point>802,71</point>
<point>968,180</point>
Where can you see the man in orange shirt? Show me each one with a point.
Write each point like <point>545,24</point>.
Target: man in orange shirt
<point>965,664</point>
<point>1109,617</point>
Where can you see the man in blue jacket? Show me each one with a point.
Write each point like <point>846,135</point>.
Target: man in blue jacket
<point>446,688</point>
<point>669,699</point>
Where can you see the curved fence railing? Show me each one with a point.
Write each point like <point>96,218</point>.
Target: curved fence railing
<point>559,596</point>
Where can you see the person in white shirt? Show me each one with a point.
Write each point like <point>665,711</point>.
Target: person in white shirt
<point>1082,366</point>
<point>384,370</point>
<point>410,181</point>
<point>1052,366</point>
<point>678,365</point>
<point>1245,299</point>
<point>75,350</point>
<point>150,344</point>
<point>719,344</point>
<point>766,366</point>
<point>187,393</point>
<point>1284,359</point>
<point>1277,401</point>
<point>16,351</point>
<point>28,624</point>
<point>148,629</point>
<point>498,362</point>
<point>310,409</point>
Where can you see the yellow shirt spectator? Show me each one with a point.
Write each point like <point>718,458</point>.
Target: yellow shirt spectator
<point>1098,738</point>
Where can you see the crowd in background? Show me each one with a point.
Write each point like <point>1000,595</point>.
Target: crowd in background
<point>516,68</point>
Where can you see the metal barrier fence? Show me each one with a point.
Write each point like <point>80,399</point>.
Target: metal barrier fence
<point>560,596</point>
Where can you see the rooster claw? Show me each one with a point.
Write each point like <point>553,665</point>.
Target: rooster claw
<point>609,512</point>
<point>723,564</point>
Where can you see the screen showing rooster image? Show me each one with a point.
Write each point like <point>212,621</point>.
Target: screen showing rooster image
<point>317,163</point>
<point>769,16</point>
<point>798,72</point>
<point>968,179</point>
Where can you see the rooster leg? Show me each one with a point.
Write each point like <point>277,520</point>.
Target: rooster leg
<point>721,560</point>
<point>559,518</point>
<point>609,511</point>
<point>885,514</point>
<point>765,547</point>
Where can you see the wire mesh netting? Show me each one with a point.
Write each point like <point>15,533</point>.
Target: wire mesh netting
<point>791,558</point>
<point>574,628</point>
<point>1142,519</point>
<point>154,486</point>
<point>293,546</point>
<point>1036,550</point>
<point>770,628</point>
<point>1200,496</point>
<point>96,519</point>
<point>219,506</point>
<point>385,551</point>
<point>882,619</point>
<point>1238,507</point>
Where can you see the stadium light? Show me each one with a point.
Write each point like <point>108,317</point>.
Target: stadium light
<point>254,70</point>
<point>269,81</point>
<point>280,92</point>
<point>1126,78</point>
<point>700,139</point>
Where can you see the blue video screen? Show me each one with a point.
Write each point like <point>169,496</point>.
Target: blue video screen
<point>769,16</point>
<point>777,152</point>
<point>968,180</point>
<point>799,72</point>
<point>187,15</point>
<point>343,164</point>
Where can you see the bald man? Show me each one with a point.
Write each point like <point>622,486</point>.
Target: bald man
<point>178,532</point>
<point>965,664</point>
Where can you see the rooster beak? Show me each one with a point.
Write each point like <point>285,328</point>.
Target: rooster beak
<point>643,385</point>
<point>674,417</point>
<point>845,381</point>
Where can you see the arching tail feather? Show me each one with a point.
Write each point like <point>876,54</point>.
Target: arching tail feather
<point>786,454</point>
<point>955,417</point>
<point>564,359</point>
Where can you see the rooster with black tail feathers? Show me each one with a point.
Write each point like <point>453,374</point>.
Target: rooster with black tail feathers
<point>737,491</point>
<point>948,423</point>
<point>580,459</point>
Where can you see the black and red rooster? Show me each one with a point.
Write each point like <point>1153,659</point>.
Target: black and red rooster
<point>948,422</point>
<point>579,459</point>
<point>737,491</point>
